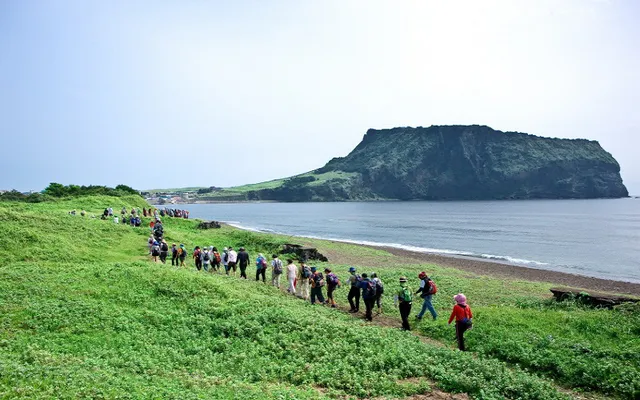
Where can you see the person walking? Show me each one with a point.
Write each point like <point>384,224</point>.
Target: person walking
<point>276,271</point>
<point>317,283</point>
<point>354,291</point>
<point>206,259</point>
<point>243,261</point>
<point>427,289</point>
<point>225,260</point>
<point>463,316</point>
<point>155,251</point>
<point>164,251</point>
<point>368,295</point>
<point>292,273</point>
<point>304,280</point>
<point>332,283</point>
<point>404,299</point>
<point>232,258</point>
<point>197,257</point>
<point>182,253</point>
<point>379,291</point>
<point>174,255</point>
<point>261,268</point>
<point>215,259</point>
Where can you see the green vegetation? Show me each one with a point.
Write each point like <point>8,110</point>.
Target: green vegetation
<point>57,190</point>
<point>84,313</point>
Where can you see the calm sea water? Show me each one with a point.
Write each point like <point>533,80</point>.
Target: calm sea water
<point>599,238</point>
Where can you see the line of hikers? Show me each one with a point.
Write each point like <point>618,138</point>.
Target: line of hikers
<point>308,283</point>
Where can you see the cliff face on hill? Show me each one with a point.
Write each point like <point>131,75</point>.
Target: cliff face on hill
<point>458,162</point>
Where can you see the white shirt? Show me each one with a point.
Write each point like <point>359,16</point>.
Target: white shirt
<point>233,256</point>
<point>292,271</point>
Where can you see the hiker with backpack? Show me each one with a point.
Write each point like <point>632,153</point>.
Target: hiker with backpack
<point>261,268</point>
<point>182,254</point>
<point>174,255</point>
<point>215,259</point>
<point>317,283</point>
<point>276,271</point>
<point>304,280</point>
<point>232,259</point>
<point>292,273</point>
<point>427,289</point>
<point>463,316</point>
<point>206,259</point>
<point>379,291</point>
<point>197,258</point>
<point>243,260</point>
<point>404,299</point>
<point>354,291</point>
<point>155,251</point>
<point>164,251</point>
<point>332,283</point>
<point>225,260</point>
<point>368,295</point>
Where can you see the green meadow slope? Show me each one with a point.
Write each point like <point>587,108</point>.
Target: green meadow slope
<point>85,314</point>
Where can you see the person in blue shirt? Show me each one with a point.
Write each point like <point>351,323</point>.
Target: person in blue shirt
<point>368,295</point>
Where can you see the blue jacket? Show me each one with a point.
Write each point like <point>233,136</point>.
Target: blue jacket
<point>363,284</point>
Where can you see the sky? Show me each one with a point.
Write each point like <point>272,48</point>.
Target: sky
<point>164,94</point>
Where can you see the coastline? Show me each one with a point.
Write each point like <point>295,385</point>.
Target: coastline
<point>508,271</point>
<point>490,268</point>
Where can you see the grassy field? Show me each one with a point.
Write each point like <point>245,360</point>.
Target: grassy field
<point>85,313</point>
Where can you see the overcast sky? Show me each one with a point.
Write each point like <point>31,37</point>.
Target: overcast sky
<point>164,94</point>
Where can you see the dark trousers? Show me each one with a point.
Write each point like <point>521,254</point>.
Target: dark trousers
<point>163,257</point>
<point>330,290</point>
<point>243,271</point>
<point>354,293</point>
<point>368,303</point>
<point>405,311</point>
<point>461,328</point>
<point>174,260</point>
<point>317,292</point>
<point>215,265</point>
<point>378,300</point>
<point>198,263</point>
<point>261,272</point>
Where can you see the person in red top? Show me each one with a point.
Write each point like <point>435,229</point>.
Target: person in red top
<point>463,315</point>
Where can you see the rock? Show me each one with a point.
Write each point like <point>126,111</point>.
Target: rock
<point>303,253</point>
<point>591,298</point>
<point>209,225</point>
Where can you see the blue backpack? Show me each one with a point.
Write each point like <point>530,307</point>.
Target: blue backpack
<point>369,290</point>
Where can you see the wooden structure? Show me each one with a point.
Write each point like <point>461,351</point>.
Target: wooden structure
<point>592,298</point>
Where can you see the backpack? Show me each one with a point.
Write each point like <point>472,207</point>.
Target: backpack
<point>216,255</point>
<point>206,256</point>
<point>165,247</point>
<point>467,321</point>
<point>433,289</point>
<point>319,280</point>
<point>196,253</point>
<point>277,267</point>
<point>155,250</point>
<point>306,272</point>
<point>355,283</point>
<point>333,279</point>
<point>370,290</point>
<point>406,295</point>
<point>181,251</point>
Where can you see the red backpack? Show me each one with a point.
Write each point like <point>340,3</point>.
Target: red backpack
<point>433,289</point>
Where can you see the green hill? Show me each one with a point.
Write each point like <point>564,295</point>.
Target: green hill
<point>451,163</point>
<point>85,314</point>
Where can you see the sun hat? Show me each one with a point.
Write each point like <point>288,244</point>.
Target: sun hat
<point>422,275</point>
<point>403,279</point>
<point>460,299</point>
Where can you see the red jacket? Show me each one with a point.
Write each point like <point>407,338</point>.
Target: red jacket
<point>459,313</point>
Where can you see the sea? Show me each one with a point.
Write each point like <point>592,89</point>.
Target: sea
<point>597,238</point>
